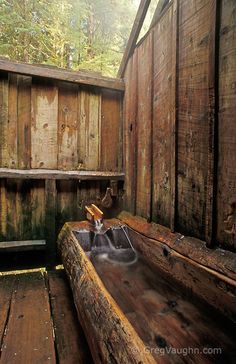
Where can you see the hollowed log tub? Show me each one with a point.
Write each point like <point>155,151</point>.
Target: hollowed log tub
<point>173,301</point>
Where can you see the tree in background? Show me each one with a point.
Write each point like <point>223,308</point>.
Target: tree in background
<point>76,34</point>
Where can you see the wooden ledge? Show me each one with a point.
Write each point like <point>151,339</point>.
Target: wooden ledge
<point>57,174</point>
<point>219,260</point>
<point>61,74</point>
<point>16,246</point>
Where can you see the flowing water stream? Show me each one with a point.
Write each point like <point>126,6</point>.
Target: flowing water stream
<point>117,251</point>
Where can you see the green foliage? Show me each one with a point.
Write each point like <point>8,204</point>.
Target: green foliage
<point>76,34</point>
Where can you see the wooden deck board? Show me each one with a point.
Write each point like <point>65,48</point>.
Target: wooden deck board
<point>29,336</point>
<point>6,288</point>
<point>29,314</point>
<point>68,332</point>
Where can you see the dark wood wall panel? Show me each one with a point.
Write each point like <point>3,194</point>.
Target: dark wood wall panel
<point>196,23</point>
<point>164,117</point>
<point>226,201</point>
<point>144,127</point>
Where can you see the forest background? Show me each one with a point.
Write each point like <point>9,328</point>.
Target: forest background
<point>74,34</point>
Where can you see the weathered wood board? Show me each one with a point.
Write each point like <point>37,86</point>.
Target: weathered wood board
<point>110,335</point>
<point>29,316</point>
<point>196,23</point>
<point>181,320</point>
<point>226,192</point>
<point>44,125</point>
<point>70,342</point>
<point>144,127</point>
<point>130,120</point>
<point>192,159</point>
<point>38,321</point>
<point>164,117</point>
<point>111,151</point>
<point>49,128</point>
<point>67,126</point>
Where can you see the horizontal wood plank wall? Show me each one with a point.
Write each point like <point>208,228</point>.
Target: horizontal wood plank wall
<point>184,116</point>
<point>50,124</point>
<point>226,201</point>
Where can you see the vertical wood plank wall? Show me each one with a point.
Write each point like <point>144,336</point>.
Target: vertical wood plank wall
<point>179,122</point>
<point>54,125</point>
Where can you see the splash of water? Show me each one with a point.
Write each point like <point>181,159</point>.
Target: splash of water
<point>98,225</point>
<point>103,248</point>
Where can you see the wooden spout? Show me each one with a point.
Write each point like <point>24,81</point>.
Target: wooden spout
<point>93,213</point>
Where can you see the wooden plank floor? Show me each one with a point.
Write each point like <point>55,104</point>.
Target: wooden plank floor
<point>38,322</point>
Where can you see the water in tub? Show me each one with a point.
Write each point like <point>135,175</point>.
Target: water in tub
<point>105,248</point>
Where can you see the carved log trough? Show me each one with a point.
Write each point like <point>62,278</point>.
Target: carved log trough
<point>154,303</point>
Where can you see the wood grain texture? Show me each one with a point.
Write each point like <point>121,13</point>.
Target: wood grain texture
<point>38,321</point>
<point>110,335</point>
<point>13,112</point>
<point>164,117</point>
<point>70,341</point>
<point>29,316</point>
<point>67,126</point>
<point>203,282</point>
<point>216,259</point>
<point>163,314</point>
<point>37,207</point>
<point>196,25</point>
<point>44,126</point>
<point>226,192</point>
<point>130,117</point>
<point>3,210</point>
<point>144,127</point>
<point>66,202</point>
<point>61,74</point>
<point>3,119</point>
<point>24,122</point>
<point>110,131</point>
<point>89,143</point>
<point>50,220</point>
<point>6,290</point>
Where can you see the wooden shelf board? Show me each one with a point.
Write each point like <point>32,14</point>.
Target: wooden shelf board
<point>57,174</point>
<point>7,246</point>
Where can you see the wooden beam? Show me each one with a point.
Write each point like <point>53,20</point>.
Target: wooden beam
<point>137,26</point>
<point>9,246</point>
<point>158,12</point>
<point>57,174</point>
<point>219,260</point>
<point>61,74</point>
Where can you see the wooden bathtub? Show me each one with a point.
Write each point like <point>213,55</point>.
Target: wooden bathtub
<point>175,304</point>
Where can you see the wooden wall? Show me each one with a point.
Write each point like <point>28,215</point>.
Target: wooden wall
<point>46,124</point>
<point>180,127</point>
